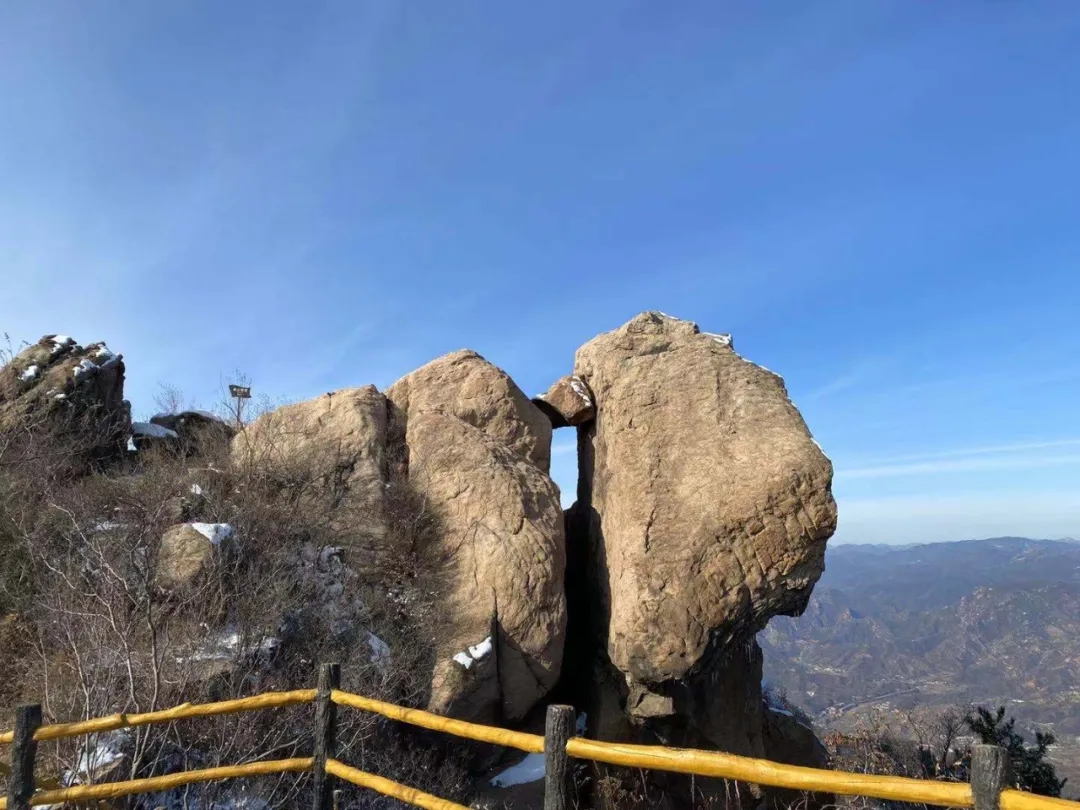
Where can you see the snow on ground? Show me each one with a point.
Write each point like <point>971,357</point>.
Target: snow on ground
<point>98,755</point>
<point>61,342</point>
<point>477,652</point>
<point>225,646</point>
<point>530,769</point>
<point>106,526</point>
<point>214,532</point>
<point>380,651</point>
<point>30,373</point>
<point>153,431</point>
<point>196,489</point>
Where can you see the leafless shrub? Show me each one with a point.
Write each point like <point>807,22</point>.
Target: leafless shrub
<point>301,580</point>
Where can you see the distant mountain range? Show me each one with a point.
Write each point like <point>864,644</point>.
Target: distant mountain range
<point>983,621</point>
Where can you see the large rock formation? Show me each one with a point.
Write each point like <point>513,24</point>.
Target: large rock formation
<point>468,387</point>
<point>473,447</point>
<point>478,449</point>
<point>703,510</point>
<point>333,451</point>
<point>704,507</point>
<point>58,385</point>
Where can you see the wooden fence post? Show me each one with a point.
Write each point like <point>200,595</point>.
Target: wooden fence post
<point>325,735</point>
<point>558,776</point>
<point>991,772</point>
<point>23,751</point>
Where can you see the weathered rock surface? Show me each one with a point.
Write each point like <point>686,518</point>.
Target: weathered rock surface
<point>470,388</point>
<point>567,403</point>
<point>787,740</point>
<point>478,450</point>
<point>704,508</point>
<point>710,502</point>
<point>334,447</point>
<point>186,551</point>
<point>196,431</point>
<point>69,387</point>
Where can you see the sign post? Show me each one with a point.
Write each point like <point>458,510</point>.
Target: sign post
<point>239,393</point>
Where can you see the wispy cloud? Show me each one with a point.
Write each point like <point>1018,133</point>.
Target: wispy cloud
<point>841,383</point>
<point>948,465</point>
<point>562,447</point>
<point>942,459</point>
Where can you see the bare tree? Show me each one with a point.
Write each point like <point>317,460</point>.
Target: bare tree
<point>170,399</point>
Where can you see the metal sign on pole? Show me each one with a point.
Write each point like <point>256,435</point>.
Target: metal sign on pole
<point>239,393</point>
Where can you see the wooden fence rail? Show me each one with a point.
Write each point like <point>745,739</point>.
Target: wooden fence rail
<point>987,791</point>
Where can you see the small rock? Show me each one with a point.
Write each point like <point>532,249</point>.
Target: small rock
<point>570,399</point>
<point>185,553</point>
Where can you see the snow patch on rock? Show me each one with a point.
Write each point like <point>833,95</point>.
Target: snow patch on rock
<point>153,431</point>
<point>477,652</point>
<point>580,389</point>
<point>84,368</point>
<point>214,532</point>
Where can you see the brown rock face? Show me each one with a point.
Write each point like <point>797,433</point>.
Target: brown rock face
<point>786,740</point>
<point>196,430</point>
<point>336,445</point>
<point>568,402</point>
<point>75,389</point>
<point>470,388</point>
<point>704,508</point>
<point>478,450</point>
<point>709,502</point>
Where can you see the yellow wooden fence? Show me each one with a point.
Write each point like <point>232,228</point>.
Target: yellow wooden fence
<point>701,763</point>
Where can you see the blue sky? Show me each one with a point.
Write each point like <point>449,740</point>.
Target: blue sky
<point>880,200</point>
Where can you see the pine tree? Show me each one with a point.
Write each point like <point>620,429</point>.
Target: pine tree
<point>1031,770</point>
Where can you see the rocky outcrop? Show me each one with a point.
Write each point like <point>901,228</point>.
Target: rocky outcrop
<point>567,403</point>
<point>710,501</point>
<point>333,450</point>
<point>478,450</point>
<point>704,508</point>
<point>192,432</point>
<point>475,450</point>
<point>75,390</point>
<point>468,387</point>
